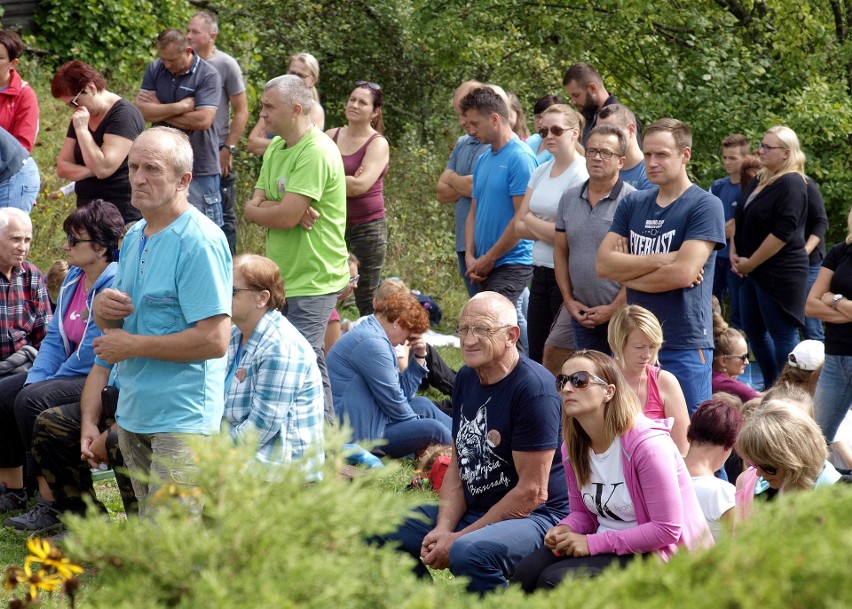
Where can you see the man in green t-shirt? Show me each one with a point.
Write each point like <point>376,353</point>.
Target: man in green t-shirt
<point>300,196</point>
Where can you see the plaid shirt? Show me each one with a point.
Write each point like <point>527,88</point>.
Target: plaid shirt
<point>275,389</point>
<point>24,309</point>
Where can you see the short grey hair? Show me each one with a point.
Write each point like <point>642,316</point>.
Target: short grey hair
<point>177,155</point>
<point>209,20</point>
<point>6,215</point>
<point>292,90</point>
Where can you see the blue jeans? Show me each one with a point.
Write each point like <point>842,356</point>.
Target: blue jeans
<point>813,327</point>
<point>471,289</point>
<point>591,338</point>
<point>771,331</point>
<point>522,306</point>
<point>734,283</point>
<point>488,556</point>
<point>21,190</point>
<point>693,369</point>
<point>833,395</point>
<point>205,196</point>
<point>228,193</point>
<point>410,437</point>
<point>720,277</point>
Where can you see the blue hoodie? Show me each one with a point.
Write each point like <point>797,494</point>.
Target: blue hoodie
<point>56,357</point>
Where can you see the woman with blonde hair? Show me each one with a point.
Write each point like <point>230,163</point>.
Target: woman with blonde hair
<point>730,358</point>
<point>768,250</point>
<point>560,130</point>
<point>629,489</point>
<point>517,117</point>
<point>635,338</point>
<point>306,67</point>
<point>786,450</point>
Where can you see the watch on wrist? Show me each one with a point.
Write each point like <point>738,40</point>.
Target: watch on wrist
<point>232,150</point>
<point>836,300</point>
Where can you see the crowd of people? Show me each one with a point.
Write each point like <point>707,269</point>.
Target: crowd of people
<point>598,416</point>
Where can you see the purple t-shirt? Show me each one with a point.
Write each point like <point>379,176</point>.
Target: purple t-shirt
<point>722,382</point>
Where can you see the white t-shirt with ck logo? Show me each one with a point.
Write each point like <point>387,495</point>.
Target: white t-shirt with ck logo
<point>606,494</point>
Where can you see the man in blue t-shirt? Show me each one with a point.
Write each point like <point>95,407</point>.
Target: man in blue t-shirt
<point>167,318</point>
<point>181,90</point>
<point>734,149</point>
<point>505,486</point>
<point>661,246</point>
<point>456,182</point>
<point>496,258</point>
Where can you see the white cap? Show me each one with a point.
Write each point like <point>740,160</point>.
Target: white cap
<point>808,355</point>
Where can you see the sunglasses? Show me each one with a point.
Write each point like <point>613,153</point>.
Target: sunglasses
<point>367,83</point>
<point>578,380</point>
<point>73,103</point>
<point>555,130</point>
<point>73,239</point>
<point>742,358</point>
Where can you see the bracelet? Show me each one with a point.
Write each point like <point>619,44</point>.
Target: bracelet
<point>420,356</point>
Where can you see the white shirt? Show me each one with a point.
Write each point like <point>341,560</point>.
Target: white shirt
<point>606,494</point>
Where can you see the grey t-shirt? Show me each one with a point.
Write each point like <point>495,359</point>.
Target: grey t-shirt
<point>232,84</point>
<point>585,228</point>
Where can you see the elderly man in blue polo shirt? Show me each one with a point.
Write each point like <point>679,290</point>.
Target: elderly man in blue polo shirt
<point>181,90</point>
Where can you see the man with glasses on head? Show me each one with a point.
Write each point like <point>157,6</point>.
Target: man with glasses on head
<point>201,35</point>
<point>661,246</point>
<point>633,172</point>
<point>181,90</point>
<point>505,486</point>
<point>300,197</point>
<point>582,221</point>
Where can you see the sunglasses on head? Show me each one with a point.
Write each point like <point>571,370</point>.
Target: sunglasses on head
<point>555,130</point>
<point>367,83</point>
<point>578,380</point>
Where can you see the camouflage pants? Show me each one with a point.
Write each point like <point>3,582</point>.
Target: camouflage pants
<point>56,448</point>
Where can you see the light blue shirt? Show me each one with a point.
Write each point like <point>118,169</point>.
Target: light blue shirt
<point>175,278</point>
<point>462,158</point>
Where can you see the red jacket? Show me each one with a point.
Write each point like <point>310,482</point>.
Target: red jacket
<point>19,111</point>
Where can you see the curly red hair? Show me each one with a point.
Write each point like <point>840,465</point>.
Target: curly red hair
<point>406,309</point>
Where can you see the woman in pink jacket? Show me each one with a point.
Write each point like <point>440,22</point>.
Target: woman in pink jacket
<point>629,490</point>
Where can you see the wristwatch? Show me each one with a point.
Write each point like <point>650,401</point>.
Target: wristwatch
<point>836,300</point>
<point>232,150</point>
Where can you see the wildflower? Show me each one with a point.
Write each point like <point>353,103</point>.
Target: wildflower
<point>42,551</point>
<point>14,576</point>
<point>38,581</point>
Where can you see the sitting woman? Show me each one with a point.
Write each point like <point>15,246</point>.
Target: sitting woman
<point>787,451</point>
<point>712,433</point>
<point>273,387</point>
<point>635,337</point>
<point>612,450</point>
<point>64,358</point>
<point>371,395</point>
<point>729,360</point>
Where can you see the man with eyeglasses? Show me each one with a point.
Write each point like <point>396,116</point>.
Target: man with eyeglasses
<point>505,486</point>
<point>456,182</point>
<point>583,219</point>
<point>496,258</point>
<point>633,172</point>
<point>300,196</point>
<point>202,32</point>
<point>181,90</point>
<point>661,246</point>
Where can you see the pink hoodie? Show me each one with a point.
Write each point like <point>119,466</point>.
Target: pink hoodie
<point>667,509</point>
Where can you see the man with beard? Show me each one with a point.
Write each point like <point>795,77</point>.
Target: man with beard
<point>587,93</point>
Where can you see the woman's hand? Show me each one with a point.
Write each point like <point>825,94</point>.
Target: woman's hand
<point>572,545</point>
<point>80,119</point>
<point>828,299</point>
<point>556,536</point>
<point>741,266</point>
<point>417,345</point>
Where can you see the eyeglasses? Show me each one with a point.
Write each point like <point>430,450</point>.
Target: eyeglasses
<point>234,291</point>
<point>742,358</point>
<point>367,83</point>
<point>578,380</point>
<point>762,146</point>
<point>73,103</point>
<point>353,281</point>
<point>73,239</point>
<point>479,331</point>
<point>599,152</point>
<point>555,130</point>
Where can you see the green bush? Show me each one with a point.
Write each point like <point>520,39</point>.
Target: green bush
<point>267,540</point>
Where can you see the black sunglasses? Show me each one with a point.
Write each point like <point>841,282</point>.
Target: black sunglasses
<point>74,239</point>
<point>578,380</point>
<point>367,83</point>
<point>742,358</point>
<point>555,130</point>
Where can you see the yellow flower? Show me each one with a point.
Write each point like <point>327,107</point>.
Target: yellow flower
<point>42,551</point>
<point>38,581</point>
<point>14,576</point>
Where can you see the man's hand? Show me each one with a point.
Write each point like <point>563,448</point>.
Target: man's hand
<point>114,346</point>
<point>435,551</point>
<point>599,315</point>
<point>698,279</point>
<point>226,161</point>
<point>579,312</point>
<point>479,268</point>
<point>309,218</point>
<point>89,438</point>
<point>112,304</point>
<point>621,246</point>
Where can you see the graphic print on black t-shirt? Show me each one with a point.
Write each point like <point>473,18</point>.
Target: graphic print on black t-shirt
<point>480,468</point>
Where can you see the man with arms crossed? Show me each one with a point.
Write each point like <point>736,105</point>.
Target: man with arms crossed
<point>662,248</point>
<point>167,317</point>
<point>300,197</point>
<point>505,486</point>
